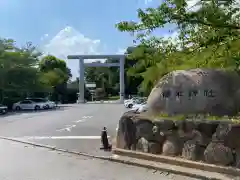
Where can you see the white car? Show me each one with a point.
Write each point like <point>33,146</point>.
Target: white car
<point>3,109</point>
<point>49,104</point>
<point>131,103</point>
<point>140,107</point>
<point>129,100</point>
<point>34,104</point>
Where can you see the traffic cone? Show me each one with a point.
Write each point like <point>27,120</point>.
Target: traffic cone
<point>104,139</point>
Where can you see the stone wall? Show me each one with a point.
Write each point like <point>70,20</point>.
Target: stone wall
<point>214,142</point>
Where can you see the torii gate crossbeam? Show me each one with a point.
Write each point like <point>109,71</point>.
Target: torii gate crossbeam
<point>81,59</point>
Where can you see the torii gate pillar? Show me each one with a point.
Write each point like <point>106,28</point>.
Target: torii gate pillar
<point>81,84</point>
<point>122,83</point>
<point>81,71</point>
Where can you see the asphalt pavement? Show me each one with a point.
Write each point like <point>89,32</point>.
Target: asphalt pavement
<point>74,127</point>
<point>19,162</point>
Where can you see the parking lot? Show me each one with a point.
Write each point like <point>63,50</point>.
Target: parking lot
<point>74,127</point>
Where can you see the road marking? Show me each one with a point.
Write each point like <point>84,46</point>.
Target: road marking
<point>67,128</point>
<point>86,117</point>
<point>63,137</point>
<point>80,120</point>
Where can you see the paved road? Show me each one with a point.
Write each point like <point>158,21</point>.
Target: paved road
<point>75,127</point>
<point>26,162</point>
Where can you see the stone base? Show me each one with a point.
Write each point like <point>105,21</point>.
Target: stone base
<point>213,142</point>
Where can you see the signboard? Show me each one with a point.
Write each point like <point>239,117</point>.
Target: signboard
<point>91,85</point>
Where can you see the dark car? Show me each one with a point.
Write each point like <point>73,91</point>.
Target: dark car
<point>3,109</point>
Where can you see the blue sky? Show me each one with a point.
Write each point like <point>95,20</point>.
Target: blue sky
<point>72,26</point>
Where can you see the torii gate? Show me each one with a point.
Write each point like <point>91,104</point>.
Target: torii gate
<point>82,65</point>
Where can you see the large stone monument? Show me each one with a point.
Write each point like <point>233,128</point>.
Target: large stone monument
<point>196,91</point>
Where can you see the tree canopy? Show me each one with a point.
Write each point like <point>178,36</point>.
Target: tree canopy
<point>207,36</point>
<point>25,71</point>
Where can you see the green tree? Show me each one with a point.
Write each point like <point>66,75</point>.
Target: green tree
<point>18,72</point>
<point>55,74</point>
<point>104,77</point>
<point>208,36</point>
<point>54,71</point>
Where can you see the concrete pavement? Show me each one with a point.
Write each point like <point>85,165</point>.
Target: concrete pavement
<point>74,127</point>
<point>26,162</point>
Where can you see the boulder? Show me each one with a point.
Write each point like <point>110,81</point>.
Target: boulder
<point>172,146</point>
<point>188,130</point>
<point>197,137</point>
<point>126,133</point>
<point>208,128</point>
<point>228,134</point>
<point>207,91</point>
<point>144,128</point>
<point>192,151</point>
<point>142,145</point>
<point>132,127</point>
<point>217,153</point>
<point>164,125</point>
<point>186,126</point>
<point>162,129</point>
<point>154,148</point>
<point>147,129</point>
<point>237,158</point>
<point>200,138</point>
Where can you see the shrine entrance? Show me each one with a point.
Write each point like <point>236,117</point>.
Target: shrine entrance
<point>82,65</point>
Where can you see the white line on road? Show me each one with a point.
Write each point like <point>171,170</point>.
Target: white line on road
<point>86,117</point>
<point>63,137</point>
<point>67,128</point>
<point>80,120</point>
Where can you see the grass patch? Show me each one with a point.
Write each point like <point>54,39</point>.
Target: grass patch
<point>179,117</point>
<point>113,98</point>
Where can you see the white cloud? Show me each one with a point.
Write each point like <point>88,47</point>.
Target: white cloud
<point>147,1</point>
<point>69,41</point>
<point>44,37</point>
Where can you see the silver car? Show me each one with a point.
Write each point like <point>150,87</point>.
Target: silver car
<point>3,109</point>
<point>33,104</point>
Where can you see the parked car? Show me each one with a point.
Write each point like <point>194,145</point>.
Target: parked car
<point>49,104</point>
<point>131,103</point>
<point>140,107</point>
<point>3,109</point>
<point>133,99</point>
<point>33,104</point>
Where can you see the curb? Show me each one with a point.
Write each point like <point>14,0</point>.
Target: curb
<point>112,159</point>
<point>178,162</point>
<point>54,148</point>
<point>161,169</point>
